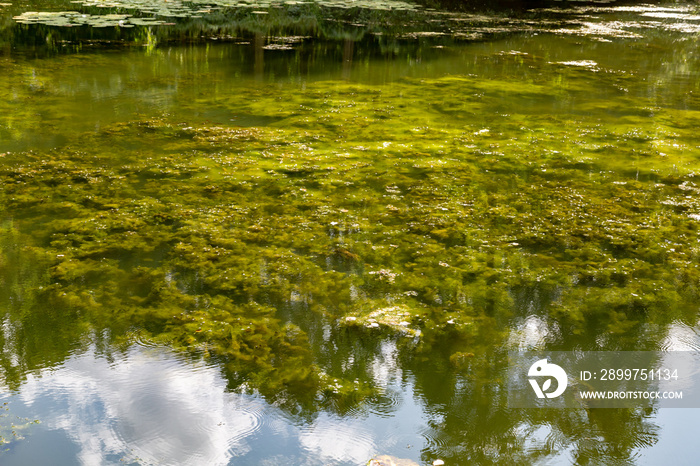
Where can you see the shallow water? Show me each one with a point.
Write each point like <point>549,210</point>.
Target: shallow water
<point>315,251</point>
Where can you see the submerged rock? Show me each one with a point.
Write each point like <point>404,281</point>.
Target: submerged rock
<point>387,460</point>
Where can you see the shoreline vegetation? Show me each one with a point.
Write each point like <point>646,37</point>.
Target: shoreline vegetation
<point>79,26</point>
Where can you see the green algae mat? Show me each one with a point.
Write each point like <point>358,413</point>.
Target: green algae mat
<point>279,212</point>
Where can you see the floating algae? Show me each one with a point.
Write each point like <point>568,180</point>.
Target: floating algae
<point>431,235</point>
<point>13,428</point>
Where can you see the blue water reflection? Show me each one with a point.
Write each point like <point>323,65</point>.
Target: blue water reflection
<point>152,406</point>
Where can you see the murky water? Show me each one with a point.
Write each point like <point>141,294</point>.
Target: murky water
<point>316,250</point>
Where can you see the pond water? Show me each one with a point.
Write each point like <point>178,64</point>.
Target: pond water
<point>308,234</point>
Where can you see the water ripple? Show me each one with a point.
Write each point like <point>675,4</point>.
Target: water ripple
<point>680,337</point>
<point>151,406</point>
<point>333,439</point>
<point>386,404</point>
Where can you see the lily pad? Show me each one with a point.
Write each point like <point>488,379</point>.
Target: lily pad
<point>71,18</point>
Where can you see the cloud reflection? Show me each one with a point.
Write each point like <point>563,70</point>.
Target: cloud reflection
<point>149,407</point>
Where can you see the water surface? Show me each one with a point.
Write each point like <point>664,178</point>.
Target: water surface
<point>253,250</point>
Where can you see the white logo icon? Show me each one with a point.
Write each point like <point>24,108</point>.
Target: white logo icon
<point>543,369</point>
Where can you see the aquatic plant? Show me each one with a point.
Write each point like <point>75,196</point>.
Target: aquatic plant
<point>199,243</point>
<point>315,223</point>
